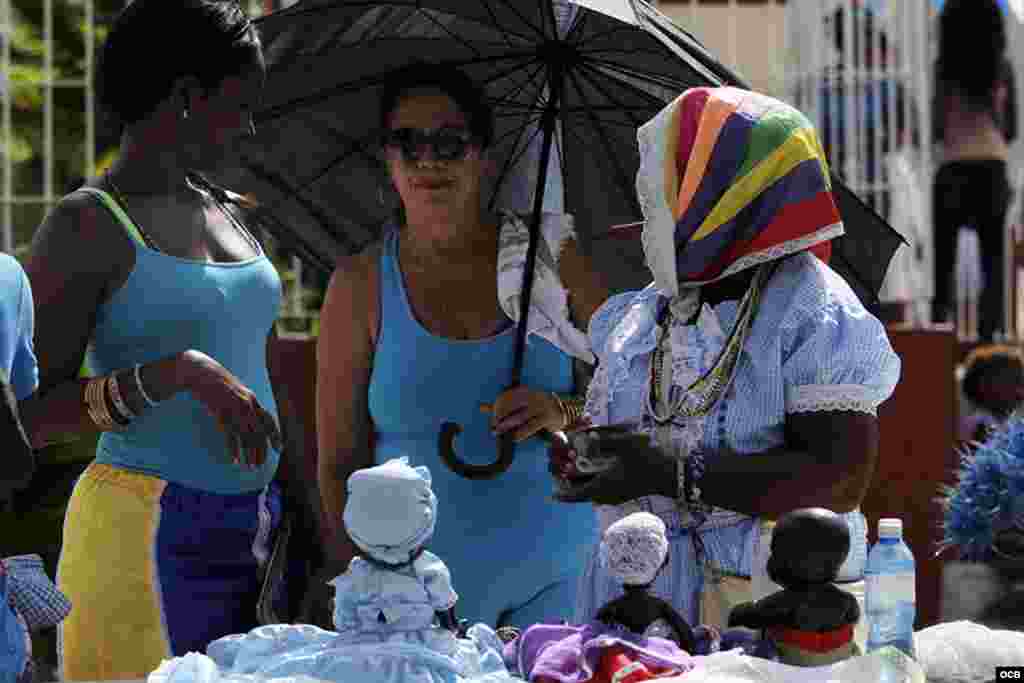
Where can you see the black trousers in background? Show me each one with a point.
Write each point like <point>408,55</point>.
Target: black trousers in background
<point>973,193</point>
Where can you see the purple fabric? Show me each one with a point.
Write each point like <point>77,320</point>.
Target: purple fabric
<point>571,654</point>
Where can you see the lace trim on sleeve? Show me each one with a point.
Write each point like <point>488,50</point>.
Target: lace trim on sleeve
<point>817,398</point>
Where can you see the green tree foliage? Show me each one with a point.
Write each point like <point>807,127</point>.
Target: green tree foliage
<point>26,82</point>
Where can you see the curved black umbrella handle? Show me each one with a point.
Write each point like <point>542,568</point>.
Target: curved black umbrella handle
<point>446,447</point>
<point>507,444</point>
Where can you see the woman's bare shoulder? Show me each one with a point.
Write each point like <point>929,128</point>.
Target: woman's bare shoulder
<point>357,267</point>
<point>353,293</point>
<point>79,236</point>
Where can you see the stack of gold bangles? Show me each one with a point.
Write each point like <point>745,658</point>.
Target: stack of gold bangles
<point>572,410</point>
<point>110,416</point>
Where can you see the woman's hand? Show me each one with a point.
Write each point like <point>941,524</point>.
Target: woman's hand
<point>525,412</point>
<point>247,425</point>
<point>637,469</point>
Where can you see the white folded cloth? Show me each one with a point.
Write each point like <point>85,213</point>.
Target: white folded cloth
<point>549,309</point>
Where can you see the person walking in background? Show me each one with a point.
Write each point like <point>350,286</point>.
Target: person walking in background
<point>149,275</point>
<point>974,113</point>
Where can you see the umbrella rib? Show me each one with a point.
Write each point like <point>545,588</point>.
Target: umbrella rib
<point>450,33</point>
<point>511,104</point>
<point>519,151</point>
<point>584,72</point>
<point>510,5</point>
<point>285,189</point>
<point>286,108</point>
<point>610,31</point>
<point>319,175</point>
<point>610,152</point>
<point>516,130</point>
<point>494,20</point>
<point>716,73</point>
<point>639,91</point>
<point>507,72</point>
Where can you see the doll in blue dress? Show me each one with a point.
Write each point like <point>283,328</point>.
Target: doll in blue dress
<point>396,590</point>
<point>393,608</point>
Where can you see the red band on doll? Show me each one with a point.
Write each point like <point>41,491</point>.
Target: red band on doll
<point>812,641</point>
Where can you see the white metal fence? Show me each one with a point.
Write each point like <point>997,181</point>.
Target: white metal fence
<point>45,194</point>
<point>870,95</point>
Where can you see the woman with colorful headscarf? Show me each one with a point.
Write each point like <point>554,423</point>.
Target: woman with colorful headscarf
<point>749,362</point>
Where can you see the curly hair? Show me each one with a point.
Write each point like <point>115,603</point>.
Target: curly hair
<point>995,362</point>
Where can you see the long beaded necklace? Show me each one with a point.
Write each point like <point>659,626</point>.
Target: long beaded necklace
<point>701,396</point>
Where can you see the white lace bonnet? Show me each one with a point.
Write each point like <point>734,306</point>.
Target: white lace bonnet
<point>634,548</point>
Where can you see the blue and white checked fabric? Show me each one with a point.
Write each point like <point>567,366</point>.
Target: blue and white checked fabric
<point>33,594</point>
<point>812,347</point>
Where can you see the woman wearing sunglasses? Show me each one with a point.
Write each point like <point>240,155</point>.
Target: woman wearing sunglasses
<point>414,333</point>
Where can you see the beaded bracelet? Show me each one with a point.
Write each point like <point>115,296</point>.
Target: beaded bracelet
<point>120,406</point>
<point>142,392</point>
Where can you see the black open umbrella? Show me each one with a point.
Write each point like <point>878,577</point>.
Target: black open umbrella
<point>570,83</point>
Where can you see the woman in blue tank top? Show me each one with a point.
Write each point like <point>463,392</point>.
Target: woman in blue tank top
<point>413,335</point>
<point>148,275</point>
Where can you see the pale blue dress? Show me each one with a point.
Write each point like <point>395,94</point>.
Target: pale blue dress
<point>386,633</point>
<point>812,347</point>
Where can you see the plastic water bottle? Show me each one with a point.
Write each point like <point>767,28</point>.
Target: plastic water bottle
<point>890,595</point>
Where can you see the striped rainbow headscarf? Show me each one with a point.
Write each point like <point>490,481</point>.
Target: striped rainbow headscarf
<point>730,179</point>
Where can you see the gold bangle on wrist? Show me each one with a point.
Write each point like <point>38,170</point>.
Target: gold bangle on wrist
<point>96,402</point>
<point>125,413</point>
<point>572,410</point>
<point>561,409</point>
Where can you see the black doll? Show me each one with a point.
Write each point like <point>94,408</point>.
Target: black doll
<point>636,549</point>
<point>810,621</point>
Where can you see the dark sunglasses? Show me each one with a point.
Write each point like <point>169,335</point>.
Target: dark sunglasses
<point>447,144</point>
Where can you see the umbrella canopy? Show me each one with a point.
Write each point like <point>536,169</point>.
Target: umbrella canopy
<point>313,166</point>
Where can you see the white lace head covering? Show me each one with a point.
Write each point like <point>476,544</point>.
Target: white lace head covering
<point>634,548</point>
<point>391,510</point>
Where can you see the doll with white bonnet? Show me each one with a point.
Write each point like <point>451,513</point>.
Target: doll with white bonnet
<point>394,607</point>
<point>395,585</point>
<point>635,549</point>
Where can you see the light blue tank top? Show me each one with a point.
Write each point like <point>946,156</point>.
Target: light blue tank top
<point>503,539</point>
<point>168,305</point>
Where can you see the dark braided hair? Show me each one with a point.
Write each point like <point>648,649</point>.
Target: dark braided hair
<point>221,39</point>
